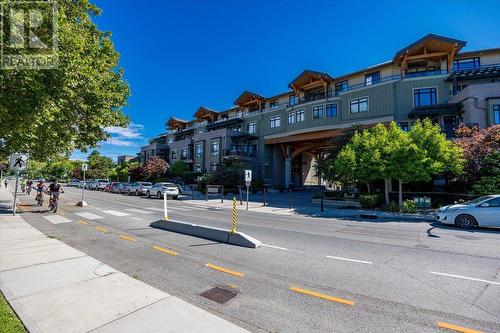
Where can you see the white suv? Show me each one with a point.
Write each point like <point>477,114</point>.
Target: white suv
<point>101,184</point>
<point>159,189</point>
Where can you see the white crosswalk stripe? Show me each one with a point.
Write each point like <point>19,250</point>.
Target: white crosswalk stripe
<point>140,211</point>
<point>57,219</point>
<point>115,212</point>
<point>156,209</point>
<point>89,216</point>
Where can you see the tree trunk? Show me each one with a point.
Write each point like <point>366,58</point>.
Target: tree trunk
<point>386,191</point>
<point>400,192</point>
<point>368,187</point>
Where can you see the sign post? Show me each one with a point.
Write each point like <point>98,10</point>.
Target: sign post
<point>82,203</point>
<point>17,162</point>
<point>248,181</point>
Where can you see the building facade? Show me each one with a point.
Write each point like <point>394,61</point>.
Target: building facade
<point>125,158</point>
<point>157,147</point>
<point>282,136</point>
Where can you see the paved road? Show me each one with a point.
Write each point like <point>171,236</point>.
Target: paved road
<point>312,274</point>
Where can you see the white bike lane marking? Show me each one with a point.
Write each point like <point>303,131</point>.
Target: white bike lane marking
<point>56,219</point>
<point>115,213</point>
<point>89,216</point>
<point>140,211</point>
<point>465,278</point>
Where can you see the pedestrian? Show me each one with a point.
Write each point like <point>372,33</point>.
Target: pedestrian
<point>5,182</point>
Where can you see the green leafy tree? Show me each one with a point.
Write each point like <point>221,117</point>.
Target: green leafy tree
<point>489,183</point>
<point>178,168</point>
<point>36,169</point>
<point>135,171</point>
<point>99,166</point>
<point>50,112</point>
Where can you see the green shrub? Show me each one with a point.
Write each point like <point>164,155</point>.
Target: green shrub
<point>370,200</point>
<point>392,207</point>
<point>409,207</point>
<point>189,177</point>
<point>204,180</point>
<point>178,168</point>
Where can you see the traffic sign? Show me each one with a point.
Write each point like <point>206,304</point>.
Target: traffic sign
<point>85,167</point>
<point>248,175</point>
<point>18,162</point>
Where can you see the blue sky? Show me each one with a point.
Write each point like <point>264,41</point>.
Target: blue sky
<point>179,55</point>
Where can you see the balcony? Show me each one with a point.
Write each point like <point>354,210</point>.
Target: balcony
<point>426,73</point>
<point>474,73</point>
<point>240,154</point>
<point>430,111</point>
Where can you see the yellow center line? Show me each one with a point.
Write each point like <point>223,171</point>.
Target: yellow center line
<point>101,229</point>
<point>82,222</point>
<point>225,270</point>
<point>128,238</point>
<point>164,250</point>
<point>456,328</point>
<point>322,296</point>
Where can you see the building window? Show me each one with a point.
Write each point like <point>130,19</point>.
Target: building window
<point>174,154</point>
<point>170,140</point>
<point>213,167</point>
<point>251,128</point>
<point>299,116</point>
<point>372,78</point>
<point>291,118</point>
<point>184,154</point>
<point>466,63</point>
<point>275,121</point>
<point>341,86</point>
<point>403,125</point>
<point>496,114</point>
<point>199,149</point>
<point>331,110</point>
<point>292,100</point>
<point>214,148</point>
<point>273,104</point>
<point>424,96</point>
<point>318,111</point>
<point>359,105</point>
<point>199,168</point>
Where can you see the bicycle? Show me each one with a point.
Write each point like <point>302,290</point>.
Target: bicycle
<point>28,190</point>
<point>39,198</point>
<point>53,203</point>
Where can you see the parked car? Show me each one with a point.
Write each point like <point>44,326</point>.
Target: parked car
<point>480,212</point>
<point>74,183</point>
<point>116,187</point>
<point>159,189</point>
<point>109,186</point>
<point>101,184</point>
<point>90,185</point>
<point>140,188</point>
<point>125,189</point>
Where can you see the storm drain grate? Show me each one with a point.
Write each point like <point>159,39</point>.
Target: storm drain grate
<point>219,294</point>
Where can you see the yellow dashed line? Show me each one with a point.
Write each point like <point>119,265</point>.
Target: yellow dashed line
<point>322,296</point>
<point>164,250</point>
<point>225,270</point>
<point>101,229</point>
<point>456,328</point>
<point>128,238</point>
<point>83,222</point>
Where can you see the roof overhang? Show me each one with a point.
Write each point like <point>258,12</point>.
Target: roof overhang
<point>430,46</point>
<point>435,110</point>
<point>204,113</point>
<point>248,98</point>
<point>176,123</point>
<point>309,80</point>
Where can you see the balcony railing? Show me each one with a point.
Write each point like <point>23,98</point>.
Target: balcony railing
<point>427,73</point>
<point>236,153</point>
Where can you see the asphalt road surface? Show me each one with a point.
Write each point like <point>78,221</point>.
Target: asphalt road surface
<point>311,275</point>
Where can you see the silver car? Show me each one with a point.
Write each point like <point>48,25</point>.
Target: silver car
<point>480,212</point>
<point>140,188</point>
<point>159,189</point>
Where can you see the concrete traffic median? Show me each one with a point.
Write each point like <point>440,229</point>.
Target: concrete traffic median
<point>206,232</point>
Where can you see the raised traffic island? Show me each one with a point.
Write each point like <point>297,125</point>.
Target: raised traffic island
<point>206,232</point>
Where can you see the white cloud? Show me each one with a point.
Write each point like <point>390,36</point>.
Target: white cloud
<point>116,141</point>
<point>132,131</point>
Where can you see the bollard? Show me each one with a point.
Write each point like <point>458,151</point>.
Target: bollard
<point>165,211</point>
<point>322,199</point>
<point>233,227</point>
<point>289,198</point>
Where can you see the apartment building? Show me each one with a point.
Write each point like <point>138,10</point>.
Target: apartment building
<point>282,136</point>
<point>157,147</point>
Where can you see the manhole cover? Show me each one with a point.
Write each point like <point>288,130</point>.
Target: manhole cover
<point>219,294</point>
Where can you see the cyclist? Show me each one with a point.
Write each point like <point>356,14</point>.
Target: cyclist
<point>54,190</point>
<point>39,190</point>
<point>29,186</point>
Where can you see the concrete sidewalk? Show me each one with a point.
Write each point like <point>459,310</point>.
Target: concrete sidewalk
<point>56,288</point>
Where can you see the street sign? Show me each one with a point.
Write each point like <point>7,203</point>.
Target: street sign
<point>85,167</point>
<point>248,175</point>
<point>18,162</point>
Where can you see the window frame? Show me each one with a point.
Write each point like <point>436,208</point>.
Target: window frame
<point>341,85</point>
<point>336,110</point>
<point>196,153</point>
<point>174,154</point>
<point>496,114</point>
<point>317,111</point>
<point>456,63</point>
<point>423,88</point>
<point>358,102</point>
<point>293,98</point>
<point>214,152</point>
<point>302,115</point>
<point>291,118</point>
<point>252,125</point>
<point>275,121</point>
<point>372,78</point>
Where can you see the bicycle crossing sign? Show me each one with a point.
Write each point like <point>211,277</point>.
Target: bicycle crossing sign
<point>18,162</point>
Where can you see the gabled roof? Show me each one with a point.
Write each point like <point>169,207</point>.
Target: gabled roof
<point>205,113</point>
<point>308,76</point>
<point>176,123</point>
<point>433,43</point>
<point>248,96</point>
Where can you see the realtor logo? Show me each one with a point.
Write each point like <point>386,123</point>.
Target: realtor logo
<point>28,36</point>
